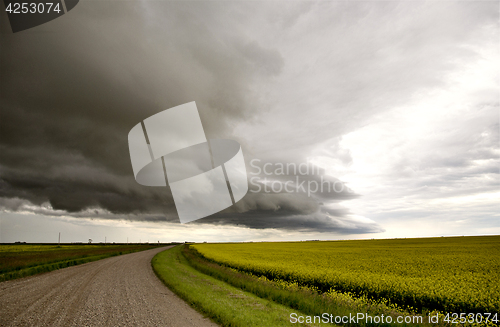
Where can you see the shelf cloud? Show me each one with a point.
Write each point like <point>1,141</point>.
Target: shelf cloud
<point>392,101</point>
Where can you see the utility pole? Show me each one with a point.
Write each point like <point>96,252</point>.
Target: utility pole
<point>104,240</point>
<point>59,242</point>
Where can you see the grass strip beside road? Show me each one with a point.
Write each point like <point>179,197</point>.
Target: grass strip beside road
<point>17,261</point>
<point>221,302</point>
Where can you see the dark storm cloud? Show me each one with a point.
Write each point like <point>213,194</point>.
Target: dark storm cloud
<point>25,206</point>
<point>71,92</point>
<point>324,220</point>
<point>70,97</point>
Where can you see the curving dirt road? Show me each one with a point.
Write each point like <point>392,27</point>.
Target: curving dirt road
<point>117,291</point>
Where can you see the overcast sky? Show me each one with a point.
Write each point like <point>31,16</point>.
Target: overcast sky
<point>395,103</point>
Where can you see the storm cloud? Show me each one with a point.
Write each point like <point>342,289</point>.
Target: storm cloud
<point>286,81</point>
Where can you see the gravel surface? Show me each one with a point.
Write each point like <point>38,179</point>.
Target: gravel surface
<point>117,291</point>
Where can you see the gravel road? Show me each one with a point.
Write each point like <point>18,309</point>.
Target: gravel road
<point>117,291</point>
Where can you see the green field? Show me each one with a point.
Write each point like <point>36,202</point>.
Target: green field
<point>21,260</point>
<point>458,274</point>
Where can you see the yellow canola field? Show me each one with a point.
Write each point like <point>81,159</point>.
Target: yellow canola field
<point>455,274</point>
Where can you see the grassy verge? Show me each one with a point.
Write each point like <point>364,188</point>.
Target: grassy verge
<point>17,261</point>
<point>306,299</point>
<point>224,304</point>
